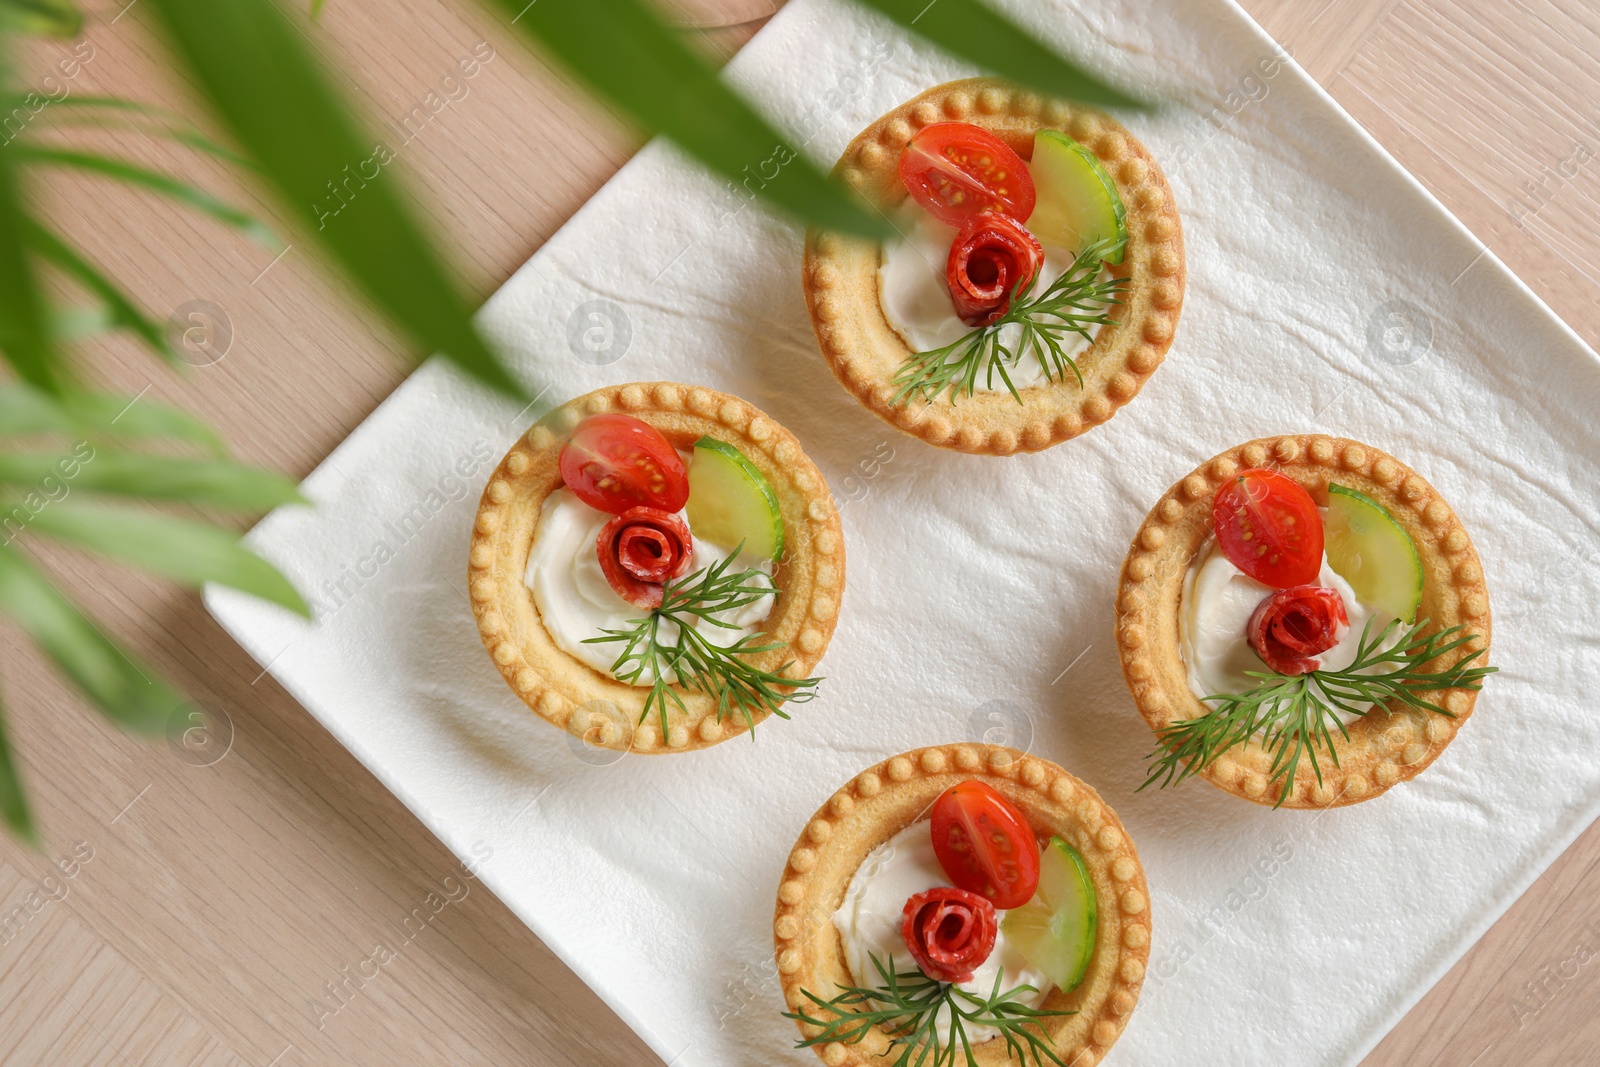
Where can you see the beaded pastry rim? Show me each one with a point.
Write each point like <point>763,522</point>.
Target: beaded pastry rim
<point>881,801</point>
<point>841,283</point>
<point>574,696</point>
<point>1383,749</point>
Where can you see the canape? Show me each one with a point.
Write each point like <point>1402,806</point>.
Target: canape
<point>962,902</point>
<point>656,567</point>
<point>1036,281</point>
<point>1302,621</point>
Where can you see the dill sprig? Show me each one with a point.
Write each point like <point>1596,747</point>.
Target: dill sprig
<point>1293,712</point>
<point>1071,304</point>
<point>910,1005</point>
<point>692,661</point>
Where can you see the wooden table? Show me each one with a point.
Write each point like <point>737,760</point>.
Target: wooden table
<point>209,907</point>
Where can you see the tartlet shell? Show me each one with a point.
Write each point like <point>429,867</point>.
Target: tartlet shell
<point>884,799</point>
<point>572,695</point>
<point>1383,749</point>
<point>840,277</point>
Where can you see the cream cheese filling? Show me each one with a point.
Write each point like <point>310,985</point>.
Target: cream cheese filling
<point>576,602</point>
<point>869,924</point>
<point>915,298</point>
<point>1214,619</point>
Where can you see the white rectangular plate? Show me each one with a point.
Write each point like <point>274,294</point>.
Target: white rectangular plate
<point>1327,291</point>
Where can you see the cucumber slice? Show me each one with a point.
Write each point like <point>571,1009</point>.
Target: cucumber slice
<point>1368,549</point>
<point>1056,930</point>
<point>1078,203</point>
<point>731,501</point>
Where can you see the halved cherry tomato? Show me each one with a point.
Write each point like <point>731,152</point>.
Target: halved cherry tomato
<point>985,845</point>
<point>1269,527</point>
<point>616,462</point>
<point>955,169</point>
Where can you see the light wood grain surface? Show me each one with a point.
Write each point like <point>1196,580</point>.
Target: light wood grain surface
<point>195,912</point>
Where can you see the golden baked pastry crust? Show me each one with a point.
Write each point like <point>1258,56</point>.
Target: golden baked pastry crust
<point>881,801</point>
<point>841,279</point>
<point>571,694</point>
<point>1383,748</point>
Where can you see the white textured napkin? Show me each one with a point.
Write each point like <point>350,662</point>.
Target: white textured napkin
<point>1327,291</point>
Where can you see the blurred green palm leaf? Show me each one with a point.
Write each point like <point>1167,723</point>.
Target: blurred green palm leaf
<point>25,332</point>
<point>27,411</point>
<point>132,174</point>
<point>69,325</point>
<point>258,75</point>
<point>213,483</point>
<point>53,18</point>
<point>127,692</point>
<point>114,113</point>
<point>120,311</point>
<point>33,485</point>
<point>190,552</point>
<point>13,798</point>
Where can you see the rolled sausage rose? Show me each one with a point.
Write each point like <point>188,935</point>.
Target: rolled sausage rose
<point>950,932</point>
<point>640,550</point>
<point>992,257</point>
<point>1293,626</point>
